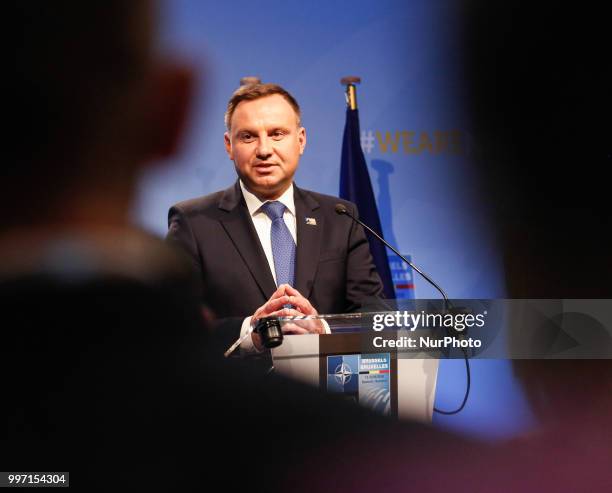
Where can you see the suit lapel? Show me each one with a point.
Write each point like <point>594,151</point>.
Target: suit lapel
<point>309,222</point>
<point>241,231</point>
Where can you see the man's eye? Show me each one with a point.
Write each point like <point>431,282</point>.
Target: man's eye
<point>278,134</point>
<point>246,137</point>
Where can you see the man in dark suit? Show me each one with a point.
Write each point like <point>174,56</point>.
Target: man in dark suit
<point>105,363</point>
<point>252,260</point>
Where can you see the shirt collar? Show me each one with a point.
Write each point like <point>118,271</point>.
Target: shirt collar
<point>254,204</point>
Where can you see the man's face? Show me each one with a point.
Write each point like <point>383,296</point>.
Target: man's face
<point>265,142</point>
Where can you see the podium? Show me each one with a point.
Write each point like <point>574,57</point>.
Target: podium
<point>386,380</point>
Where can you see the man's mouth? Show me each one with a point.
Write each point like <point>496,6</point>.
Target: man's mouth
<point>263,167</point>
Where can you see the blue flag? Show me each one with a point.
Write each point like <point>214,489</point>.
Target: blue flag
<point>355,186</point>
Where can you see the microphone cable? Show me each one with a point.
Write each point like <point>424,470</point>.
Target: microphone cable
<point>341,209</point>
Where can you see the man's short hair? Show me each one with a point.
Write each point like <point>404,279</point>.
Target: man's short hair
<point>251,92</point>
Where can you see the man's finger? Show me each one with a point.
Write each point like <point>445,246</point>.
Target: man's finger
<point>302,304</point>
<point>280,291</point>
<point>271,305</point>
<point>291,291</point>
<point>276,304</point>
<point>286,312</point>
<point>300,301</point>
<point>292,329</point>
<point>271,309</point>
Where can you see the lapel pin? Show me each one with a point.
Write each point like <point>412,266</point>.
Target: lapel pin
<point>311,221</point>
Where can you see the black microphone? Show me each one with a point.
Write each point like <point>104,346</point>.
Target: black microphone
<point>270,331</point>
<point>340,209</point>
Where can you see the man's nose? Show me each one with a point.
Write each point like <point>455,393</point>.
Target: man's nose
<point>264,148</point>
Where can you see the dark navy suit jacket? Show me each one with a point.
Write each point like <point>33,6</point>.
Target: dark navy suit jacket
<point>334,267</point>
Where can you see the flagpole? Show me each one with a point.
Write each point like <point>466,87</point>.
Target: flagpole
<point>249,80</point>
<point>355,184</point>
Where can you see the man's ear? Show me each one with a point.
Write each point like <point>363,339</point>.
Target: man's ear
<point>302,139</point>
<point>228,145</point>
<point>170,101</point>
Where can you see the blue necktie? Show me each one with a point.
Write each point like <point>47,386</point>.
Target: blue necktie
<point>283,246</point>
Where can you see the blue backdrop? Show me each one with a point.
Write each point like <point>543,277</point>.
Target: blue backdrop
<point>415,136</point>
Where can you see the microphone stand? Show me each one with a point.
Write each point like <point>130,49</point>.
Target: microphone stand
<point>341,209</point>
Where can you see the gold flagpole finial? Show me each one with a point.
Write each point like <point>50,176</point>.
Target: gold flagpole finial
<point>351,90</point>
<point>247,81</point>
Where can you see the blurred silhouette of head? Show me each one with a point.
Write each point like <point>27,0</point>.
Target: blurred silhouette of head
<point>89,103</point>
<point>539,87</point>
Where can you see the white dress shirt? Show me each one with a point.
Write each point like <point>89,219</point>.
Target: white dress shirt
<point>263,226</point>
